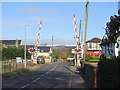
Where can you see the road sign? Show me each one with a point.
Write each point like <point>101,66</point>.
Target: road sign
<point>77,50</point>
<point>33,50</point>
<point>73,50</point>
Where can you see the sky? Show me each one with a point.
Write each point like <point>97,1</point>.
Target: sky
<point>57,18</point>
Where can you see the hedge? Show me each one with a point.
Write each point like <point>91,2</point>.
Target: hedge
<point>108,76</point>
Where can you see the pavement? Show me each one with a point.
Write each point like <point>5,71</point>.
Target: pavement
<point>58,75</point>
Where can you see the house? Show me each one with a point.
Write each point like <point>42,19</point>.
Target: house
<point>93,47</point>
<point>6,43</point>
<point>44,51</point>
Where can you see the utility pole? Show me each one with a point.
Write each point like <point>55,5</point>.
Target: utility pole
<point>85,32</point>
<point>52,45</point>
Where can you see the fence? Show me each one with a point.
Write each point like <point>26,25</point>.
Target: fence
<point>14,66</point>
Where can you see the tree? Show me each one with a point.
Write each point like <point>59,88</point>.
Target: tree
<point>56,54</point>
<point>11,52</point>
<point>62,54</point>
<point>8,53</point>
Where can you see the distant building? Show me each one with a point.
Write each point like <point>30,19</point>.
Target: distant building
<point>44,51</point>
<point>6,43</point>
<point>93,47</point>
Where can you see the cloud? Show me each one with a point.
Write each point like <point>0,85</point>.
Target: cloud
<point>30,10</point>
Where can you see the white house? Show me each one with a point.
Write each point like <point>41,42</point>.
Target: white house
<point>46,52</point>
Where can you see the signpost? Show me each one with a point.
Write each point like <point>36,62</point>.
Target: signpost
<point>77,50</point>
<point>33,50</point>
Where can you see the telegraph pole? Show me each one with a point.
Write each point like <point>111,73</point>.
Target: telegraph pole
<point>85,32</point>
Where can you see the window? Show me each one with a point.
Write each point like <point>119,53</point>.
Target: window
<point>90,45</point>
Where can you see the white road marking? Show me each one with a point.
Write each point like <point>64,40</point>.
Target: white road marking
<point>38,78</point>
<point>44,74</point>
<point>65,65</point>
<point>24,86</point>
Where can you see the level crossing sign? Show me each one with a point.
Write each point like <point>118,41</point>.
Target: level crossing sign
<point>33,50</point>
<point>77,50</point>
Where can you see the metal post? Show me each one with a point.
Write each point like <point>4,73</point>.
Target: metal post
<point>85,32</point>
<point>52,45</point>
<point>25,47</point>
<point>75,59</point>
<point>79,33</point>
<point>79,44</point>
<point>82,43</point>
<point>77,55</point>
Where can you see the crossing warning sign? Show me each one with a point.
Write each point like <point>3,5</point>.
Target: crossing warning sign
<point>77,50</point>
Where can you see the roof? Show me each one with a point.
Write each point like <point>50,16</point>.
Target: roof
<point>10,42</point>
<point>95,40</point>
<point>44,49</point>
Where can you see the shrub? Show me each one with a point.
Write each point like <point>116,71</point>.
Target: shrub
<point>108,73</point>
<point>11,52</point>
<point>95,57</point>
<point>88,57</point>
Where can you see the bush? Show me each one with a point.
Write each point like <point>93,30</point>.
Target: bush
<point>11,52</point>
<point>87,57</point>
<point>95,58</point>
<point>108,76</point>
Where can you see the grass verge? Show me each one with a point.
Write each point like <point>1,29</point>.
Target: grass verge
<point>9,74</point>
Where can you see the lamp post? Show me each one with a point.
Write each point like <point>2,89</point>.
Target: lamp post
<point>25,47</point>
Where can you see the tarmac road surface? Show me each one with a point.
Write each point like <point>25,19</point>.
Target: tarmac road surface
<point>58,75</point>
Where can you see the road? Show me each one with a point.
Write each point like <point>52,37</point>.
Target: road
<point>58,75</point>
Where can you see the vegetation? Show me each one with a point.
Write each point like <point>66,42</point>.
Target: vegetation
<point>11,52</point>
<point>59,54</point>
<point>87,57</point>
<point>93,60</point>
<point>8,74</point>
<point>108,68</point>
<point>108,76</point>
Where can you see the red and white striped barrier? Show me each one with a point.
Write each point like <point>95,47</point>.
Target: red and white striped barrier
<point>38,39</point>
